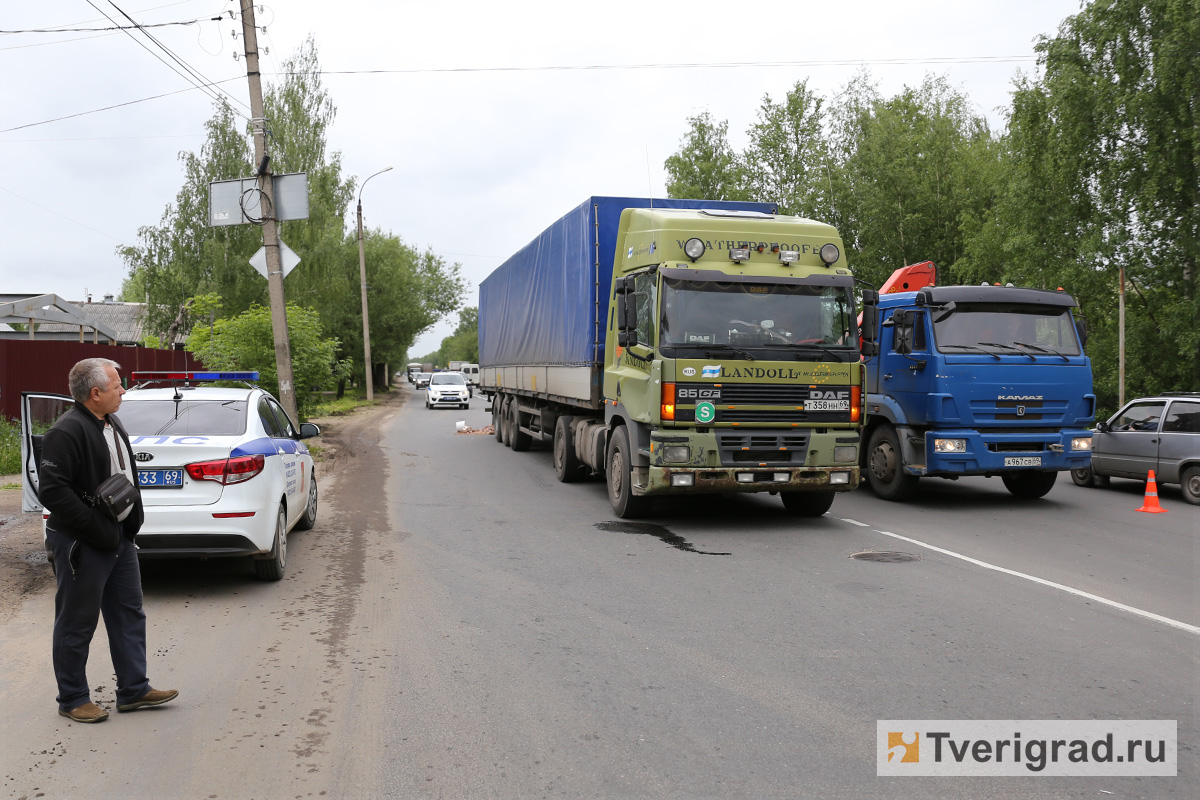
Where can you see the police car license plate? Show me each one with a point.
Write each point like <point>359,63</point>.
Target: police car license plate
<point>160,478</point>
<point>1022,461</point>
<point>827,405</point>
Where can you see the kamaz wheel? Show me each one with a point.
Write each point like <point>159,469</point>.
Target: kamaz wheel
<point>885,466</point>
<point>625,503</point>
<point>1030,483</point>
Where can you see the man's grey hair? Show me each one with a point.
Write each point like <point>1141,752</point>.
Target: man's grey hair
<point>89,374</point>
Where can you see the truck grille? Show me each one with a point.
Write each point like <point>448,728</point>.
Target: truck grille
<point>750,394</point>
<point>788,448</point>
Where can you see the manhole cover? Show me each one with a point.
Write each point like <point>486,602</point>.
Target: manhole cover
<point>886,556</point>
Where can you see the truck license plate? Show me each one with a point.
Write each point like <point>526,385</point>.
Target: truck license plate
<point>827,405</point>
<point>1022,461</point>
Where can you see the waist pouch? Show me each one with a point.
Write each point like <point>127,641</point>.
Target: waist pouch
<point>115,495</point>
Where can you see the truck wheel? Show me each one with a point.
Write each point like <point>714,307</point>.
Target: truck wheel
<point>567,465</point>
<point>496,418</point>
<point>1190,485</point>
<point>619,474</point>
<point>807,504</point>
<point>505,427</point>
<point>885,466</point>
<point>517,440</point>
<point>1082,476</point>
<point>1029,483</point>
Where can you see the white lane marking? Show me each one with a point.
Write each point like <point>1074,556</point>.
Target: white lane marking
<point>1174,623</point>
<point>855,522</point>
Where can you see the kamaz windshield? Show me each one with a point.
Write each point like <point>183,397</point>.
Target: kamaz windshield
<point>764,320</point>
<point>1005,328</point>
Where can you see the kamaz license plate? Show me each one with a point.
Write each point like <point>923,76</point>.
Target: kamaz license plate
<point>160,478</point>
<point>827,405</point>
<point>1022,461</point>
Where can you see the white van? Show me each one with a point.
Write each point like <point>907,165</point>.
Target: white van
<point>472,373</point>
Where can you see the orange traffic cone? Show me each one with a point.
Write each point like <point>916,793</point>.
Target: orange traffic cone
<point>1150,504</point>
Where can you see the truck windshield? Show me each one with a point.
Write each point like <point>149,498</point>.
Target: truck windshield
<point>1030,330</point>
<point>713,315</point>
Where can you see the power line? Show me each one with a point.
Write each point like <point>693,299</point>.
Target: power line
<point>57,214</point>
<point>115,27</point>
<point>190,69</point>
<point>109,108</point>
<point>139,11</point>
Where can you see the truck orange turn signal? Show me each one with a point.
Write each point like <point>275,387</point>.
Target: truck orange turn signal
<point>668,401</point>
<point>855,403</point>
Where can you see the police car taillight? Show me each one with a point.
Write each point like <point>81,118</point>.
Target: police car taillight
<point>227,470</point>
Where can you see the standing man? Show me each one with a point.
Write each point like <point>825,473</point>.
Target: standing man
<point>95,561</point>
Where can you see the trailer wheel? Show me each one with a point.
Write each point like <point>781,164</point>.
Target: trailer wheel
<point>567,465</point>
<point>1029,483</point>
<point>505,429</point>
<point>625,503</point>
<point>807,504</point>
<point>517,440</point>
<point>496,424</point>
<point>885,466</point>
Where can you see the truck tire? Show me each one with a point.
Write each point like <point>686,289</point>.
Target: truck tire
<point>807,504</point>
<point>567,466</point>
<point>1189,484</point>
<point>885,466</point>
<point>517,440</point>
<point>505,427</point>
<point>619,475</point>
<point>1030,484</point>
<point>497,424</point>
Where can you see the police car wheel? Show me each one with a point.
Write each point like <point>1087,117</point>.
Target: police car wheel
<point>309,518</point>
<point>272,567</point>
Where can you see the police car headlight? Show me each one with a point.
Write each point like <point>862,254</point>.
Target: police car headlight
<point>949,445</point>
<point>679,453</point>
<point>846,452</point>
<point>1081,443</point>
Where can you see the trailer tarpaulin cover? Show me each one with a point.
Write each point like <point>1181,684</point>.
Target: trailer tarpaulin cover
<point>540,306</point>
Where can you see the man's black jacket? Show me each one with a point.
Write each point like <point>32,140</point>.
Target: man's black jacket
<point>75,460</point>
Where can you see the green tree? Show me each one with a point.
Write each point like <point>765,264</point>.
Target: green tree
<point>463,344</point>
<point>705,167</point>
<point>788,158</point>
<point>246,342</point>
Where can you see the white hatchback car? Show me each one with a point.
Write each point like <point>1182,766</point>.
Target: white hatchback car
<point>223,471</point>
<point>447,389</point>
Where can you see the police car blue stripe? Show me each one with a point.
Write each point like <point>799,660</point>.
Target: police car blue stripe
<point>264,446</point>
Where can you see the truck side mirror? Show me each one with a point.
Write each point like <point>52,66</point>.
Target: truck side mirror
<point>1081,328</point>
<point>870,324</point>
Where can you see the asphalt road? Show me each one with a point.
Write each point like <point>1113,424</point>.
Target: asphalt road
<point>459,625</point>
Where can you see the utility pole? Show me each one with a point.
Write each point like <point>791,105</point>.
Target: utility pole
<point>279,326</point>
<point>1121,340</point>
<point>362,275</point>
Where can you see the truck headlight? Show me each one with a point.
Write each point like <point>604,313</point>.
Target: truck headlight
<point>693,248</point>
<point>1081,443</point>
<point>845,452</point>
<point>830,254</point>
<point>949,445</point>
<point>677,452</point>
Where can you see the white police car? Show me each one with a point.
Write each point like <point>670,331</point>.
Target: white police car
<point>223,471</point>
<point>447,389</point>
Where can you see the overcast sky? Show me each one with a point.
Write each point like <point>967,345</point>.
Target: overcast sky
<point>488,142</point>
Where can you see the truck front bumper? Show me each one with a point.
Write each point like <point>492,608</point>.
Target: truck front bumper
<point>762,460</point>
<point>989,453</point>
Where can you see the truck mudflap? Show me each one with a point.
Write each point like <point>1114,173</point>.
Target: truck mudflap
<point>686,480</point>
<point>987,453</point>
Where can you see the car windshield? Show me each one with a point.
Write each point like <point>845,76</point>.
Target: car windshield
<point>422,376</point>
<point>707,314</point>
<point>448,379</point>
<point>1035,330</point>
<point>189,416</point>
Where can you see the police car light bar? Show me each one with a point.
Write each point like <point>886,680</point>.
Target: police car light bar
<point>194,376</point>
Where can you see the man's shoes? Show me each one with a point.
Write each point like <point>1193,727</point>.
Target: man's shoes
<point>154,697</point>
<point>88,712</point>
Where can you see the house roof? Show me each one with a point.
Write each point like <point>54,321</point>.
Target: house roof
<point>60,319</point>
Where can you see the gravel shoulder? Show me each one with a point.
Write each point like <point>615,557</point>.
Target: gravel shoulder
<point>24,571</point>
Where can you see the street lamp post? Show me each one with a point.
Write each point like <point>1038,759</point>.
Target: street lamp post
<point>362,274</point>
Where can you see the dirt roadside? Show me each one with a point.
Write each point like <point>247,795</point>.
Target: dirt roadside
<point>23,567</point>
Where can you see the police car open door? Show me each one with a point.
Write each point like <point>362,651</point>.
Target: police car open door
<point>39,411</point>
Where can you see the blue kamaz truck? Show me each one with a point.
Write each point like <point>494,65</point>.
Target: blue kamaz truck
<point>973,380</point>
